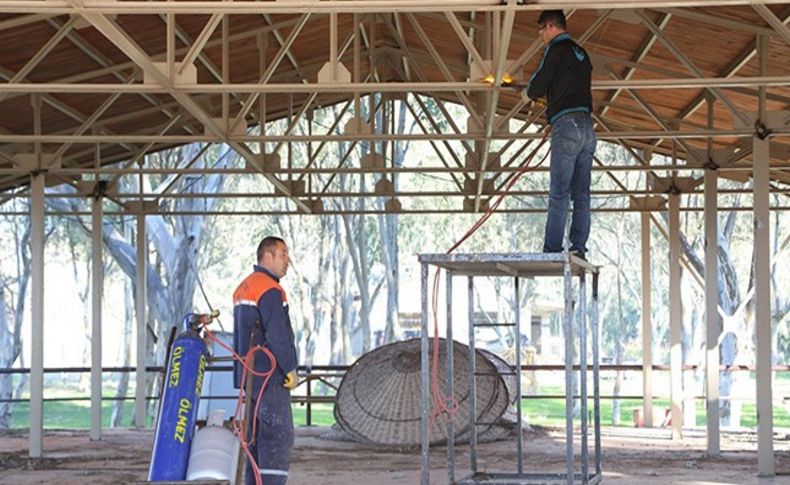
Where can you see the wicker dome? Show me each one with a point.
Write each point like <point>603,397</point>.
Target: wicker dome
<point>378,400</point>
<point>506,370</point>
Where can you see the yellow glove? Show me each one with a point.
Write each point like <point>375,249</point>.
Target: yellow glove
<point>291,380</point>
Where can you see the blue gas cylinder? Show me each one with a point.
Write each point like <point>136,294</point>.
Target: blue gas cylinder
<point>179,405</point>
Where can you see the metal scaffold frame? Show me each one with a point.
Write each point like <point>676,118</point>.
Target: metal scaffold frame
<point>577,315</point>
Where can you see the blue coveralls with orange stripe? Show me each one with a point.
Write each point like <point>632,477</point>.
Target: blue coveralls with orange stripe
<point>260,317</point>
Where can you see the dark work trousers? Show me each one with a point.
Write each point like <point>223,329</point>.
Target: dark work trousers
<point>275,436</point>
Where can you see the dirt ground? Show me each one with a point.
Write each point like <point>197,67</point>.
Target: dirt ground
<point>630,456</point>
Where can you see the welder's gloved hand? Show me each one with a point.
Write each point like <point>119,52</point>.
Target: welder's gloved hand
<point>291,380</point>
<point>533,105</point>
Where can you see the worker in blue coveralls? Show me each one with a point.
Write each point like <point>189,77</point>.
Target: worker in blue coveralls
<point>260,317</point>
<point>564,77</point>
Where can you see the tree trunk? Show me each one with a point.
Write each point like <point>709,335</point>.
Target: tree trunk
<point>82,293</point>
<point>729,299</point>
<point>335,337</point>
<point>11,339</point>
<point>116,417</point>
<point>619,351</point>
<point>358,249</point>
<point>691,322</point>
<point>388,230</point>
<point>389,244</point>
<point>6,351</point>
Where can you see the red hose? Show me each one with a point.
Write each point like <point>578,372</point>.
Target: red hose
<point>448,405</point>
<point>247,370</point>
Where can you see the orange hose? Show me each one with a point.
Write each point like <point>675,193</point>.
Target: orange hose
<point>247,363</point>
<point>448,405</point>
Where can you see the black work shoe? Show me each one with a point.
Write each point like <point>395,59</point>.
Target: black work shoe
<point>579,254</point>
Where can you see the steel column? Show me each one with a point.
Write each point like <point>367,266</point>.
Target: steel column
<point>450,374</point>
<point>583,371</point>
<point>647,326</point>
<point>97,293</point>
<point>140,306</point>
<point>596,343</point>
<point>567,319</point>
<point>517,309</point>
<point>675,315</point>
<point>762,288</point>
<point>711,301</point>
<point>425,395</point>
<point>36,423</point>
<point>472,381</point>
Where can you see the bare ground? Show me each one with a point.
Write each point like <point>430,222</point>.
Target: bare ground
<point>630,456</point>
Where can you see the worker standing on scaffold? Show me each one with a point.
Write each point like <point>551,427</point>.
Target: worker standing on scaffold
<point>260,317</point>
<point>564,78</point>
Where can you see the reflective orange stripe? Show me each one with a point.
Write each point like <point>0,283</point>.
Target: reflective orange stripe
<point>254,286</point>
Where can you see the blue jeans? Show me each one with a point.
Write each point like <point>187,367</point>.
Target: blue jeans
<point>572,148</point>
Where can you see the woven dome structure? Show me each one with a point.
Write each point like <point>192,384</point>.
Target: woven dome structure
<point>506,371</point>
<point>378,400</point>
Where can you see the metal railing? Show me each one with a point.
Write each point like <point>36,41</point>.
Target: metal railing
<point>330,374</point>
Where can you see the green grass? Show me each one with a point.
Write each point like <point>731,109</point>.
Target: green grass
<point>77,415</point>
<point>551,412</point>
<point>71,414</point>
<point>545,412</point>
<point>322,414</point>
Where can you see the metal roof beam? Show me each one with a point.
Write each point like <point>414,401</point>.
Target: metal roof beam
<point>714,20</point>
<point>142,152</point>
<point>83,45</point>
<point>109,29</point>
<point>650,111</point>
<point>91,120</point>
<point>248,138</point>
<point>249,103</point>
<point>714,83</point>
<point>778,25</point>
<point>164,193</point>
<point>688,64</point>
<point>40,54</point>
<point>466,40</point>
<point>501,46</point>
<point>117,69</point>
<point>344,211</point>
<point>437,58</point>
<point>641,166</point>
<point>734,66</point>
<point>420,75</point>
<point>278,36</point>
<point>238,7</point>
<point>436,149</point>
<point>196,46</point>
<point>640,55</point>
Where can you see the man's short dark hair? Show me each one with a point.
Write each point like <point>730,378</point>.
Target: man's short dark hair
<point>554,17</point>
<point>268,245</point>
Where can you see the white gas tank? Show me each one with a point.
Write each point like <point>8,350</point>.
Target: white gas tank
<point>215,452</point>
